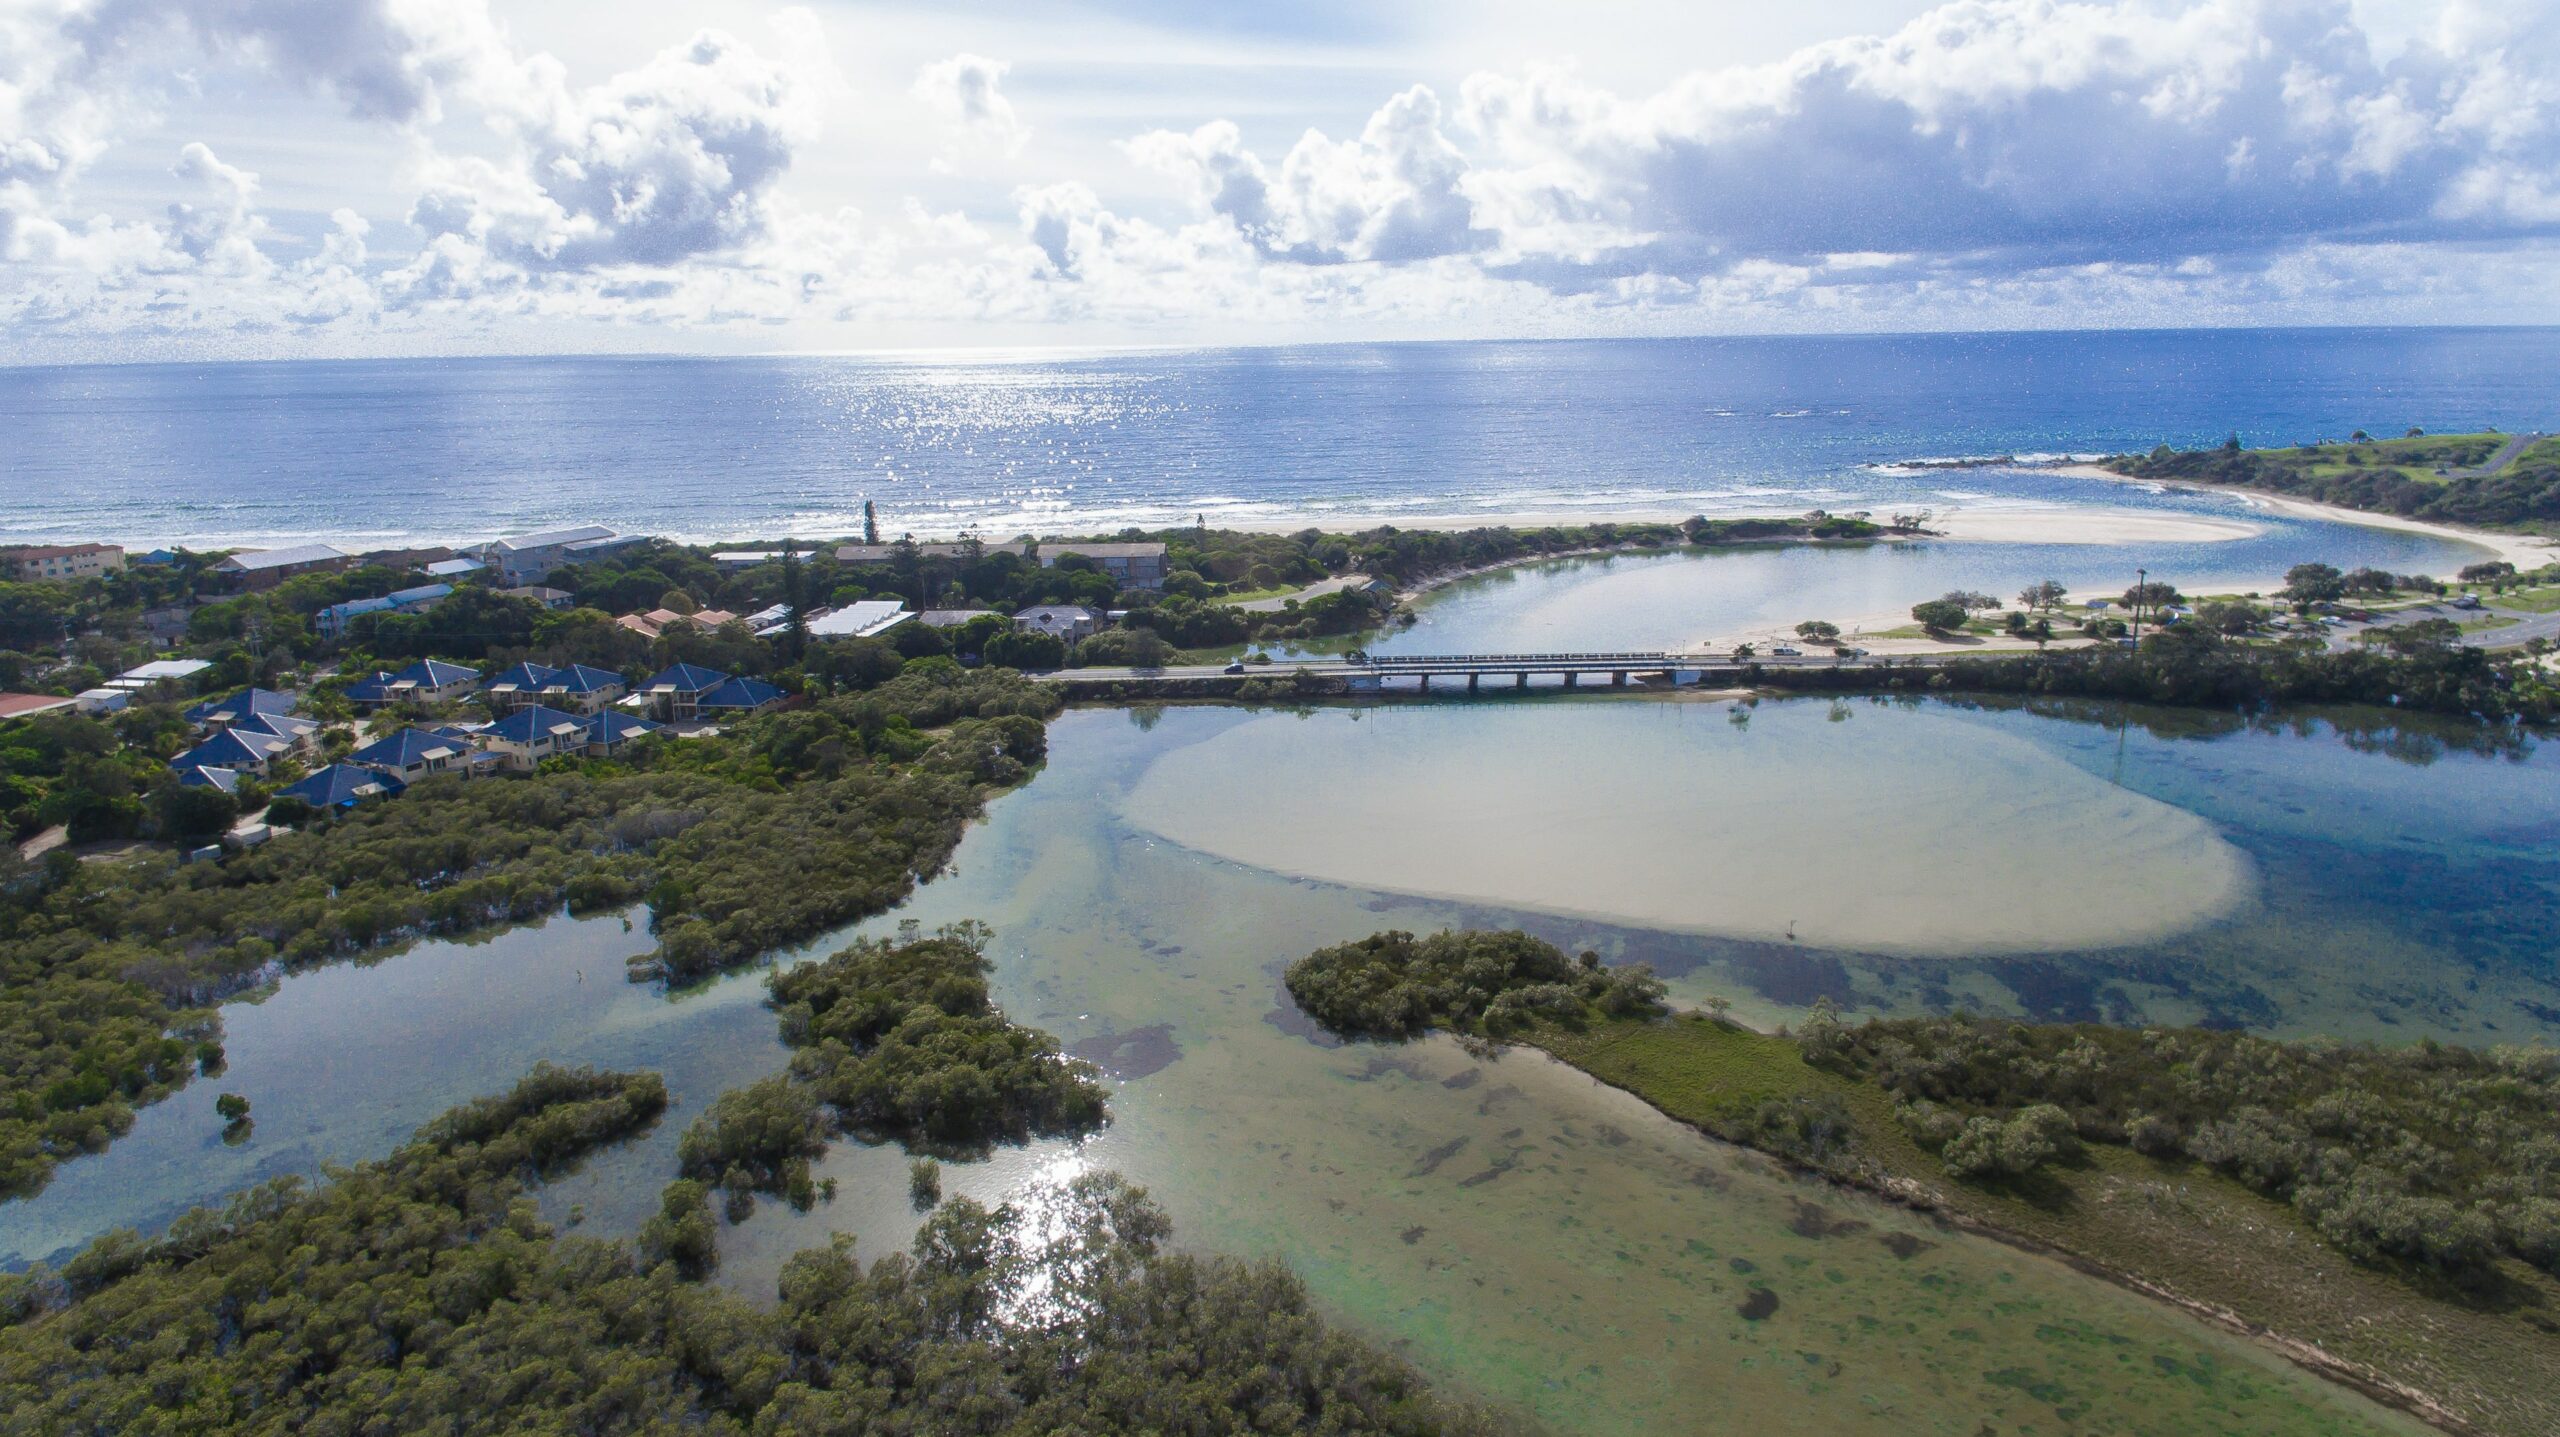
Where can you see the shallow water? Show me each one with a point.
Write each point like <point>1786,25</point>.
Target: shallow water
<point>1517,1229</point>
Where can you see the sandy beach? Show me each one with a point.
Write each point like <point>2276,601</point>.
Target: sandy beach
<point>2522,550</point>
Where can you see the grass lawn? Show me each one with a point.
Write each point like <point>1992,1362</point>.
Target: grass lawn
<point>2487,622</point>
<point>2532,601</point>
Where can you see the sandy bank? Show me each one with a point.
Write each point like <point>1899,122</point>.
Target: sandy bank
<point>2089,526</point>
<point>2522,550</point>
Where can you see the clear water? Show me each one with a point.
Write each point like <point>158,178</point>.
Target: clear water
<point>704,448</point>
<point>1516,1229</point>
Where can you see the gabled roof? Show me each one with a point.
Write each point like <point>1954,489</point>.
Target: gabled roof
<point>228,780</point>
<point>159,669</point>
<point>422,594</point>
<point>524,678</point>
<point>289,727</point>
<point>1052,613</point>
<point>532,723</point>
<point>434,674</point>
<point>342,785</point>
<point>687,679</point>
<point>231,708</point>
<point>408,748</point>
<point>23,705</point>
<point>612,728</point>
<point>580,679</point>
<point>739,694</point>
<point>373,688</point>
<point>861,619</point>
<point>452,568</point>
<point>231,748</point>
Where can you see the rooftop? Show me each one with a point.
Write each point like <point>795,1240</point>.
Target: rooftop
<point>255,560</point>
<point>21,705</point>
<point>555,538</point>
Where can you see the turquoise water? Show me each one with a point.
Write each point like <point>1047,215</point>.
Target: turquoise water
<point>1512,1226</point>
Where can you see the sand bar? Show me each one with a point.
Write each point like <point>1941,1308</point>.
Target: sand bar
<point>2525,551</point>
<point>1669,817</point>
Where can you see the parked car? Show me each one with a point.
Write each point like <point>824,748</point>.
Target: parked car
<point>2467,601</point>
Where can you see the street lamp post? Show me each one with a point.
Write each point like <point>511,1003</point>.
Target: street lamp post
<point>2141,580</point>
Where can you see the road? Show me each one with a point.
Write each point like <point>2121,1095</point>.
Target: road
<point>1318,589</point>
<point>2505,455</point>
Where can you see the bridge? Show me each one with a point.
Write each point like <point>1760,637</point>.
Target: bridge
<point>1416,673</point>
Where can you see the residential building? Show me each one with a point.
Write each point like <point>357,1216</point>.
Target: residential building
<point>167,626</point>
<point>658,621</point>
<point>294,730</point>
<point>671,692</point>
<point>735,559</point>
<point>418,558</point>
<point>1130,565</point>
<point>456,568</point>
<point>519,685</point>
<point>30,563</point>
<point>103,701</point>
<point>580,689</point>
<point>266,568</point>
<point>609,733</point>
<point>227,780</point>
<point>341,786</point>
<point>866,619</point>
<point>161,671</point>
<point>332,621</point>
<point>548,598</point>
<point>533,733</point>
<point>950,618</point>
<point>737,698</point>
<point>246,704</point>
<point>416,753</point>
<point>526,558</point>
<point>428,681</point>
<point>245,750</point>
<point>1068,621</point>
<point>18,706</point>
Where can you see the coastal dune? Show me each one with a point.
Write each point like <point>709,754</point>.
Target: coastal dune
<point>1929,836</point>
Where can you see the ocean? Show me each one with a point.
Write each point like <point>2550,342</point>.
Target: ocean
<point>736,448</point>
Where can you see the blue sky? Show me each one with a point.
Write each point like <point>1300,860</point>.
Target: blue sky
<point>217,178</point>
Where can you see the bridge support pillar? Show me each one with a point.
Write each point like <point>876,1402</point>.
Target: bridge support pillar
<point>1618,678</point>
<point>1572,680</point>
<point>1424,680</point>
<point>1520,680</point>
<point>1473,680</point>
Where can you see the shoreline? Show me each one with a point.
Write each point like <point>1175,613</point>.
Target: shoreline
<point>1915,1196</point>
<point>2525,551</point>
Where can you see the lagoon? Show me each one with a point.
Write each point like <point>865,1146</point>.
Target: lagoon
<point>1518,1230</point>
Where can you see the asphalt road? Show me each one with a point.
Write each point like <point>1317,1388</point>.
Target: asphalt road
<point>2528,626</point>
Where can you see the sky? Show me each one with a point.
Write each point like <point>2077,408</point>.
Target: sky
<point>186,179</point>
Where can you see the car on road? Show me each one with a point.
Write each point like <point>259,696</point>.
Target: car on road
<point>1786,651</point>
<point>1234,668</point>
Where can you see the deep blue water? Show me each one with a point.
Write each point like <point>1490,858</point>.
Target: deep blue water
<point>706,448</point>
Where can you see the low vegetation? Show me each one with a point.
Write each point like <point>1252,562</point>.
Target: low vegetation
<point>2421,476</point>
<point>2394,1206</point>
<point>1394,985</point>
<point>800,823</point>
<point>893,1042</point>
<point>423,1293</point>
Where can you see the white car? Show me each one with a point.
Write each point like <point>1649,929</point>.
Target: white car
<point>1786,651</point>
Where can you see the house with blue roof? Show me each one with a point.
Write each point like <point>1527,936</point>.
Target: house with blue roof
<point>581,689</point>
<point>332,621</point>
<point>342,785</point>
<point>416,753</point>
<point>519,685</point>
<point>232,708</point>
<point>225,779</point>
<point>671,692</point>
<point>536,732</point>
<point>428,681</point>
<point>609,733</point>
<point>245,750</point>
<point>737,698</point>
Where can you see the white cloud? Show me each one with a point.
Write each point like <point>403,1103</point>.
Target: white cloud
<point>1992,161</point>
<point>965,91</point>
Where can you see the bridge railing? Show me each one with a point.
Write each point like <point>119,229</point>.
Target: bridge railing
<point>1414,661</point>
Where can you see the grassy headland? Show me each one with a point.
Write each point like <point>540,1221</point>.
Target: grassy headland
<point>2390,1217</point>
<point>2420,476</point>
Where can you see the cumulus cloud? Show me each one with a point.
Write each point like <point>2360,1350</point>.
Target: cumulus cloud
<point>965,91</point>
<point>1992,162</point>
